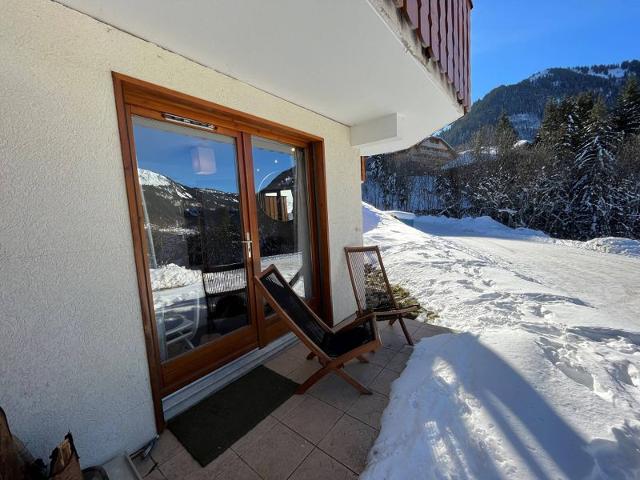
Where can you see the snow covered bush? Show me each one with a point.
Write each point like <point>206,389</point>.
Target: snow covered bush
<point>579,180</point>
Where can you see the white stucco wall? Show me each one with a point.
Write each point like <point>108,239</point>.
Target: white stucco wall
<point>72,354</point>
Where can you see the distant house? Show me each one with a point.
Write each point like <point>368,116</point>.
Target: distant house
<point>423,158</point>
<point>415,171</point>
<point>467,157</point>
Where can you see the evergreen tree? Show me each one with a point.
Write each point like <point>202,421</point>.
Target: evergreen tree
<point>549,133</point>
<point>578,114</point>
<point>505,135</point>
<point>593,199</point>
<point>629,156</point>
<point>627,111</point>
<point>449,191</point>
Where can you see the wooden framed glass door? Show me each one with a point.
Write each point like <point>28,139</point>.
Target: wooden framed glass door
<point>215,195</point>
<point>285,235</point>
<point>197,237</point>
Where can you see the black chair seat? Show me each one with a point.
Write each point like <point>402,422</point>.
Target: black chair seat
<point>333,347</point>
<point>344,341</point>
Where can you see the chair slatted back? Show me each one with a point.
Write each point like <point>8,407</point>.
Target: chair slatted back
<point>292,305</point>
<point>369,279</point>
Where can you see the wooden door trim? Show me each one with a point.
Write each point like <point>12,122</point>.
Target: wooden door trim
<point>145,94</point>
<point>182,370</point>
<point>142,273</point>
<point>255,234</point>
<point>132,97</point>
<point>319,199</point>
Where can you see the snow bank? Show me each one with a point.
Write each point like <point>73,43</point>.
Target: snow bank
<point>622,246</point>
<point>543,380</point>
<point>487,227</point>
<point>173,276</point>
<point>399,214</point>
<point>370,217</point>
<point>476,226</point>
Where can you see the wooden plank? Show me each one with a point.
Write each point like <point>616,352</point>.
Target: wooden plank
<point>450,45</point>
<point>411,9</point>
<point>442,20</point>
<point>424,32</point>
<point>467,19</point>
<point>456,45</point>
<point>443,29</point>
<point>459,49</point>
<point>434,21</point>
<point>463,46</point>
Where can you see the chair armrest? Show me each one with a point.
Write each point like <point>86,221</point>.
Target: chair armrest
<point>371,316</point>
<point>398,311</point>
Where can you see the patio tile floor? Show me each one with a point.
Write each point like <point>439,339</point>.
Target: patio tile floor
<point>324,434</point>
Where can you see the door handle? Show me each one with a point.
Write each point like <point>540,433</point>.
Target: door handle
<point>248,243</point>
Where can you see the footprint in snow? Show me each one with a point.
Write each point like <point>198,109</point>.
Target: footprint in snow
<point>470,285</point>
<point>562,356</point>
<point>541,311</point>
<point>626,372</point>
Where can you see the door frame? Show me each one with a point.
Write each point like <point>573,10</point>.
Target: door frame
<point>133,95</point>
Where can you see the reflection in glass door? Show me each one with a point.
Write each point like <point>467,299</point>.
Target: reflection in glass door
<point>194,231</point>
<point>281,189</point>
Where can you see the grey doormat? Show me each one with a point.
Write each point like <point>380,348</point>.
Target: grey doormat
<point>210,427</point>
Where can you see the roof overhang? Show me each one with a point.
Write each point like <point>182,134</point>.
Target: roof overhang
<point>339,59</point>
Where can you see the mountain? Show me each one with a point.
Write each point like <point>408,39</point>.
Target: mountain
<point>190,226</point>
<point>170,205</point>
<point>524,102</point>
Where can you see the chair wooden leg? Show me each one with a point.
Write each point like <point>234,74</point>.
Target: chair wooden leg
<point>405,331</point>
<point>310,355</point>
<point>352,381</point>
<point>308,383</point>
<point>362,359</point>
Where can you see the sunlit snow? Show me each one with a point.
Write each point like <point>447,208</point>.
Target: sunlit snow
<point>542,378</point>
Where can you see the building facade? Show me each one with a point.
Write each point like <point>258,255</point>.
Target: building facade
<point>155,157</point>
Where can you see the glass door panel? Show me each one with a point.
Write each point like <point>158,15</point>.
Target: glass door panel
<point>194,231</point>
<point>280,179</point>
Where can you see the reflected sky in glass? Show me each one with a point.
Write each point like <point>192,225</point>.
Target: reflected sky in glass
<point>169,154</point>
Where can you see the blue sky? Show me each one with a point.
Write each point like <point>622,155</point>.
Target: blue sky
<point>513,39</point>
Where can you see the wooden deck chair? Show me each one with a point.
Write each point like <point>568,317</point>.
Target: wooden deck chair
<point>372,289</point>
<point>333,347</point>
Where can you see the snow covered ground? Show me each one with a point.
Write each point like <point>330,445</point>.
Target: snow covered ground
<point>543,378</point>
<point>489,228</point>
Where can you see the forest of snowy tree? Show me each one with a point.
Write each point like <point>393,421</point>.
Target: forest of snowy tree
<point>579,179</point>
